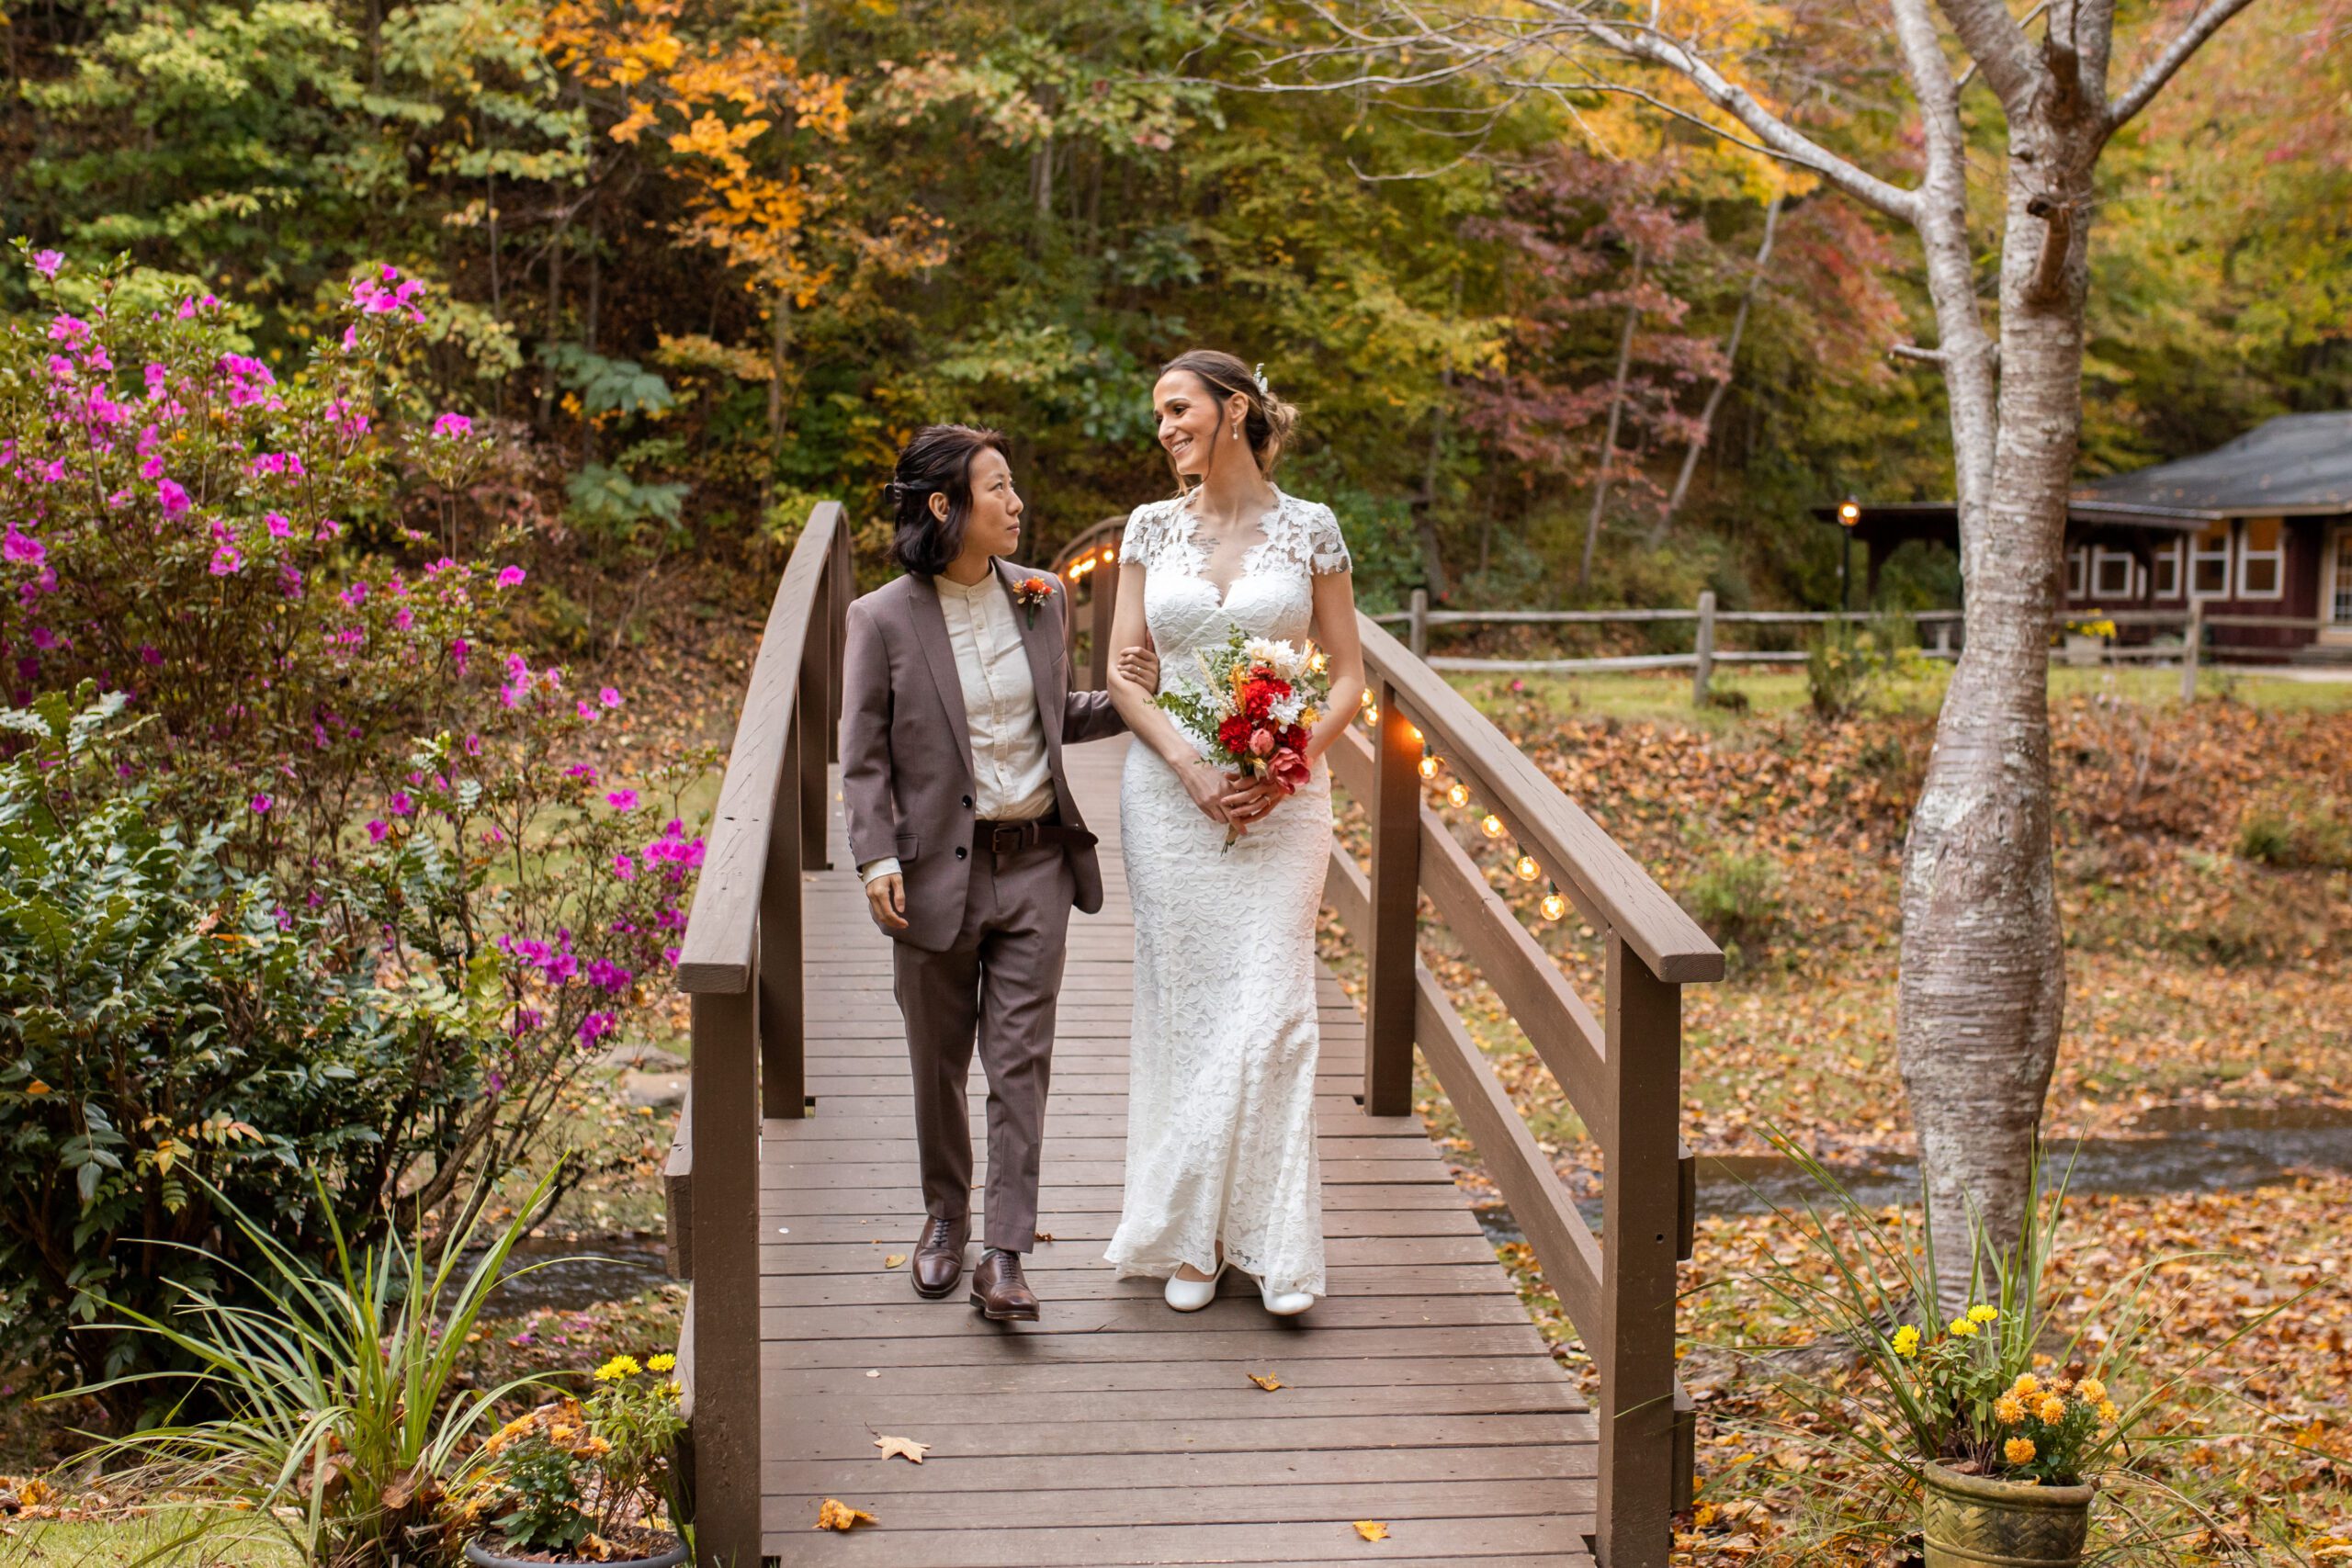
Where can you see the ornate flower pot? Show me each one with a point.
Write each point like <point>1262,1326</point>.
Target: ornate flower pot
<point>1974,1520</point>
<point>482,1556</point>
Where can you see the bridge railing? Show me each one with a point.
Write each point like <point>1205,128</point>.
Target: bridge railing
<point>1621,1069</point>
<point>740,961</point>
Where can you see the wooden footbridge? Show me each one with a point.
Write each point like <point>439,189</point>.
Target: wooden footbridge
<point>1417,1396</point>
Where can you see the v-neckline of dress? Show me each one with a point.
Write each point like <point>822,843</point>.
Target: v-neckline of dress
<point>1193,541</point>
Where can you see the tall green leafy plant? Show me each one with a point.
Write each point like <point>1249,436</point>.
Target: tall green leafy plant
<point>342,1413</point>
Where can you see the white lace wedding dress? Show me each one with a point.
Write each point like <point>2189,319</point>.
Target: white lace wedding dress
<point>1221,1082</point>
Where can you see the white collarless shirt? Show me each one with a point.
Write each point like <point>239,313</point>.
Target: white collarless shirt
<point>1012,781</point>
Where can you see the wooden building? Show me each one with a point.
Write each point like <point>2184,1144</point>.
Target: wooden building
<point>2260,527</point>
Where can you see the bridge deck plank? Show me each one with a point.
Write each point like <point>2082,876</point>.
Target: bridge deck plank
<point>1115,1432</point>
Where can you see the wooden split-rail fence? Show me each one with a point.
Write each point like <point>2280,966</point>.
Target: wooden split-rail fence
<point>1417,1397</point>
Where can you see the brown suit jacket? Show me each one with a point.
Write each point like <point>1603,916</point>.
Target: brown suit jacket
<point>907,752</point>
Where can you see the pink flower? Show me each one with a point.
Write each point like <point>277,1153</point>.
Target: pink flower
<point>453,425</point>
<point>622,800</point>
<point>625,868</point>
<point>1288,769</point>
<point>580,770</point>
<point>262,804</point>
<point>68,329</point>
<point>610,697</point>
<point>403,618</point>
<point>401,803</point>
<point>377,829</point>
<point>281,527</point>
<point>473,745</point>
<point>355,596</point>
<point>22,548</point>
<point>172,496</point>
<point>53,471</point>
<point>1261,742</point>
<point>150,654</point>
<point>509,576</point>
<point>226,561</point>
<point>46,263</point>
<point>585,710</point>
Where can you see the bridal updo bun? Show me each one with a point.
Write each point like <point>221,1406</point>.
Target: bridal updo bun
<point>1268,423</point>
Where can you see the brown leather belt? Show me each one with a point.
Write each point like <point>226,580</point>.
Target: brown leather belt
<point>1012,838</point>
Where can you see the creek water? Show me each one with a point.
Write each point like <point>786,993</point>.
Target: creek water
<point>2175,1148</point>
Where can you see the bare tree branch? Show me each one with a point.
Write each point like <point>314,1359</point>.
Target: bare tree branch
<point>2204,24</point>
<point>1997,43</point>
<point>1912,351</point>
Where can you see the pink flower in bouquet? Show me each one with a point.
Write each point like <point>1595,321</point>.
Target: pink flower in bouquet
<point>1261,742</point>
<point>1288,769</point>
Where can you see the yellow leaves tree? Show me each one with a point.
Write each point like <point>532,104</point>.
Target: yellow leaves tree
<point>761,145</point>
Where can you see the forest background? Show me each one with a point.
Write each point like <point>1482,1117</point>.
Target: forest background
<point>697,265</point>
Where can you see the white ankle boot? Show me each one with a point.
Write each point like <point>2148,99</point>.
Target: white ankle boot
<point>1192,1295</point>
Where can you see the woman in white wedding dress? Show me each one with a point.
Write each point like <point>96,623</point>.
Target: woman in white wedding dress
<point>1221,1162</point>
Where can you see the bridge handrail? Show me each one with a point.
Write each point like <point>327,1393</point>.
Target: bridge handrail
<point>741,961</point>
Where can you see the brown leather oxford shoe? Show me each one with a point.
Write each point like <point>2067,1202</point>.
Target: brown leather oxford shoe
<point>939,1255</point>
<point>1000,1292</point>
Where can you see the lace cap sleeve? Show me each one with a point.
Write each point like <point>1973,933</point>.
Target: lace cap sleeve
<point>1327,552</point>
<point>1147,529</point>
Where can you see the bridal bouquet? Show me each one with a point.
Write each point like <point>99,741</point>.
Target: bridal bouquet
<point>1259,699</point>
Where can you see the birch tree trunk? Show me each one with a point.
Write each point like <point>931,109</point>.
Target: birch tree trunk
<point>1609,436</point>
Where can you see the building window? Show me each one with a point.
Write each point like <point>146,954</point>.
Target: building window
<point>2114,574</point>
<point>2208,563</point>
<point>2342,606</point>
<point>2078,571</point>
<point>2262,558</point>
<point>2167,564</point>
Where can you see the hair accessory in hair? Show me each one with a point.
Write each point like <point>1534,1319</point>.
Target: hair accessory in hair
<point>1258,375</point>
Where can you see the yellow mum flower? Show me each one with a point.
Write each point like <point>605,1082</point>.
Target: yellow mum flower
<point>2027,1385</point>
<point>2009,1410</point>
<point>2108,1413</point>
<point>661,1363</point>
<point>1982,1314</point>
<point>1906,1341</point>
<point>619,1367</point>
<point>1963,1328</point>
<point>2051,1409</point>
<point>2092,1391</point>
<point>2018,1450</point>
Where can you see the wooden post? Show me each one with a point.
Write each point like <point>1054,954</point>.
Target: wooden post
<point>1639,1200</point>
<point>1390,945</point>
<point>1416,636</point>
<point>724,1310</point>
<point>783,1091</point>
<point>1705,667</point>
<point>812,706</point>
<point>2191,644</point>
<point>1105,578</point>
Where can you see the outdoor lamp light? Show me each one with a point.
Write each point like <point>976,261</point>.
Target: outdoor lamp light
<point>1492,826</point>
<point>1554,905</point>
<point>1459,795</point>
<point>1527,870</point>
<point>1849,513</point>
<point>1429,766</point>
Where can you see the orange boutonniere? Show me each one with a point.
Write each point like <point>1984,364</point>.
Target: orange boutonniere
<point>1030,592</point>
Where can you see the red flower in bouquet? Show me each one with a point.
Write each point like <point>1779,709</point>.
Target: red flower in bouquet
<point>1260,700</point>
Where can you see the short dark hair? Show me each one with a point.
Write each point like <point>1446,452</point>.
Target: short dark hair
<point>936,458</point>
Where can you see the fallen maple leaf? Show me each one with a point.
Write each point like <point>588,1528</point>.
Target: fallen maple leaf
<point>894,1260</point>
<point>1044,1235</point>
<point>1372,1530</point>
<point>1269,1382</point>
<point>836,1514</point>
<point>903,1447</point>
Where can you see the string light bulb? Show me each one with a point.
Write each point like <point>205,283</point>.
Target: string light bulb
<point>1458,796</point>
<point>1371,718</point>
<point>1429,766</point>
<point>1492,826</point>
<point>1320,661</point>
<point>1527,870</point>
<point>1554,905</point>
<point>1364,699</point>
<point>1110,552</point>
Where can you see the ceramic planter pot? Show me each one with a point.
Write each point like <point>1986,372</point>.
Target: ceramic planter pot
<point>1973,1521</point>
<point>482,1556</point>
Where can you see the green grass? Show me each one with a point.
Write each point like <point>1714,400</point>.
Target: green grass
<point>239,1542</point>
<point>1665,696</point>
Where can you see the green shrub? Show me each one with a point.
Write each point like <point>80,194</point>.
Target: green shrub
<point>2297,835</point>
<point>1733,897</point>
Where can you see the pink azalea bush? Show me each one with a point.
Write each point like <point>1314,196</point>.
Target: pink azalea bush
<point>327,696</point>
